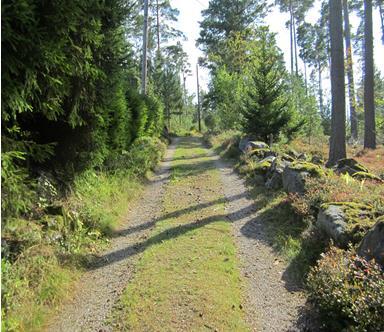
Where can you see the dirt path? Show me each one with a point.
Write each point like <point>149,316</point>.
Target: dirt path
<point>177,259</point>
<point>274,303</point>
<point>99,288</point>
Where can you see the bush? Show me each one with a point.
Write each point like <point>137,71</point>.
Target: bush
<point>16,193</point>
<point>349,291</point>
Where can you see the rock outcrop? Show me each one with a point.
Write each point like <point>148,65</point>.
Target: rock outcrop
<point>372,245</point>
<point>345,222</point>
<point>294,175</point>
<point>331,219</point>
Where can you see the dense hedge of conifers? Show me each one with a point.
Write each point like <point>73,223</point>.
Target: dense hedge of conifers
<point>69,87</point>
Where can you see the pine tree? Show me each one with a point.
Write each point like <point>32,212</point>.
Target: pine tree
<point>369,102</point>
<point>223,18</point>
<point>337,148</point>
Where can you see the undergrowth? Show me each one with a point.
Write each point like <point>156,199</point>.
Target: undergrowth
<point>346,289</point>
<point>50,240</point>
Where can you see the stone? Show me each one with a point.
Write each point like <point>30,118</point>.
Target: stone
<point>366,176</point>
<point>295,173</point>
<point>346,222</point>
<point>275,174</point>
<point>275,181</point>
<point>305,166</point>
<point>256,145</point>
<point>293,153</point>
<point>243,143</point>
<point>317,160</point>
<point>331,219</point>
<point>372,245</point>
<point>262,167</point>
<point>293,180</point>
<point>261,153</point>
<point>302,156</point>
<point>287,157</point>
<point>350,166</point>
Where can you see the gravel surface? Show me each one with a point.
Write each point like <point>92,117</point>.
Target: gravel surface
<point>272,303</point>
<point>101,286</point>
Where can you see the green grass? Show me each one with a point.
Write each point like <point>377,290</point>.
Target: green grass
<point>188,277</point>
<point>37,279</point>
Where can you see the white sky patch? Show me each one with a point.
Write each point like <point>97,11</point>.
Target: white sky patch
<point>190,16</point>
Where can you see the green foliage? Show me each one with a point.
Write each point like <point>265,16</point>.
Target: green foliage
<point>267,107</point>
<point>225,18</point>
<point>16,193</point>
<point>349,291</point>
<point>225,97</point>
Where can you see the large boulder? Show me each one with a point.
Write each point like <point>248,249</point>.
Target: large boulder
<point>331,219</point>
<point>294,181</point>
<point>246,145</point>
<point>372,245</point>
<point>294,175</point>
<point>345,222</point>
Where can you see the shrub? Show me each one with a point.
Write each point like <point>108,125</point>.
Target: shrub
<point>16,193</point>
<point>349,291</point>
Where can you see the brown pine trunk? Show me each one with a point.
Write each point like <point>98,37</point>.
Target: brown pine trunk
<point>369,102</point>
<point>349,66</point>
<point>337,149</point>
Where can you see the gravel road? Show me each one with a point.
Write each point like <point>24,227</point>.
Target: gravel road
<point>100,287</point>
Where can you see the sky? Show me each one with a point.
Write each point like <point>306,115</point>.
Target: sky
<point>190,16</point>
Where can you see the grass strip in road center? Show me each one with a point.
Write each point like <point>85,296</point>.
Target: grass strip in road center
<point>188,277</point>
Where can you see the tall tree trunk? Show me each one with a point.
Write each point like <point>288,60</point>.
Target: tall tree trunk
<point>321,103</point>
<point>305,78</point>
<point>381,10</point>
<point>295,44</point>
<point>369,102</point>
<point>291,33</point>
<point>351,84</point>
<point>337,149</point>
<point>158,26</point>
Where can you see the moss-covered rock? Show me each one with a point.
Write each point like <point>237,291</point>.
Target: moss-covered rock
<point>317,160</point>
<point>287,157</point>
<point>366,176</point>
<point>262,167</point>
<point>310,168</point>
<point>346,222</point>
<point>350,166</point>
<point>260,153</point>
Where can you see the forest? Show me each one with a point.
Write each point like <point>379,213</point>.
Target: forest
<point>131,202</point>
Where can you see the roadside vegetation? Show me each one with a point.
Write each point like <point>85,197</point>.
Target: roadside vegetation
<point>88,108</point>
<point>344,287</point>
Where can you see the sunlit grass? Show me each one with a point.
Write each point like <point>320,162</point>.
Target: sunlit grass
<point>188,278</point>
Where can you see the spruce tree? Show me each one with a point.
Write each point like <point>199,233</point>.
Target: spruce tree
<point>266,106</point>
